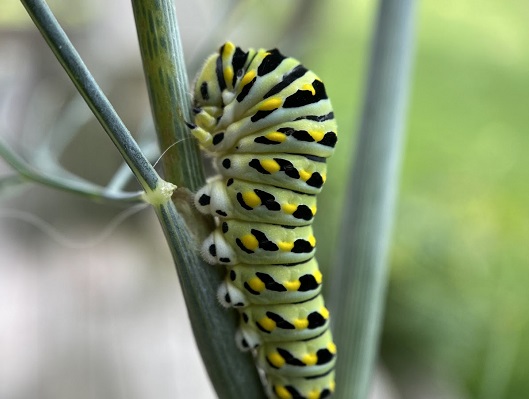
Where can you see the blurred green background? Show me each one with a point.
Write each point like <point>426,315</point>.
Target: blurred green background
<point>457,311</point>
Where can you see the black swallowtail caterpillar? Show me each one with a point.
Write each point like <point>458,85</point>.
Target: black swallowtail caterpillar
<point>269,126</point>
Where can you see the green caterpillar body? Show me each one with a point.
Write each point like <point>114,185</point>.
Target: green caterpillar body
<point>269,126</point>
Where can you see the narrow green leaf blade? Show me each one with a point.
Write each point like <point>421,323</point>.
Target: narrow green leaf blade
<point>359,280</point>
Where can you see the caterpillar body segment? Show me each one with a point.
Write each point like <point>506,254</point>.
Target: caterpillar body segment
<point>298,137</point>
<point>308,388</point>
<point>247,284</point>
<point>235,199</point>
<point>275,323</point>
<point>268,124</point>
<point>304,358</point>
<point>299,173</point>
<point>235,242</point>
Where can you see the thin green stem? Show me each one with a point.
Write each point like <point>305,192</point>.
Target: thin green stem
<point>359,282</point>
<point>81,187</point>
<point>91,92</point>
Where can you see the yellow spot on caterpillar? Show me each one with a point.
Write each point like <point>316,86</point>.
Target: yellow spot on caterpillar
<point>292,285</point>
<point>256,284</point>
<point>289,208</point>
<point>248,77</point>
<point>270,104</point>
<point>251,199</point>
<point>229,47</point>
<point>313,394</point>
<point>228,74</point>
<point>308,86</point>
<point>312,241</point>
<point>314,209</point>
<point>250,242</point>
<point>332,385</point>
<point>276,136</point>
<point>267,323</point>
<point>317,135</point>
<point>301,324</point>
<point>324,177</point>
<point>270,165</point>
<point>282,393</point>
<point>276,359</point>
<point>310,359</point>
<point>304,175</point>
<point>324,312</point>
<point>285,246</point>
<point>318,276</point>
<point>332,348</point>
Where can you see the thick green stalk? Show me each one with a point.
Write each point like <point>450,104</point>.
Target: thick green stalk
<point>166,77</point>
<point>91,92</point>
<point>232,372</point>
<point>359,282</point>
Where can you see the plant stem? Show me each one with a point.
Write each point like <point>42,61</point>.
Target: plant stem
<point>163,63</point>
<point>359,283</point>
<point>28,173</point>
<point>232,372</point>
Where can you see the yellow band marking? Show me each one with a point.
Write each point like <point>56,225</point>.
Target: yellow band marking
<point>276,359</point>
<point>323,177</point>
<point>308,87</point>
<point>270,165</point>
<point>270,104</point>
<point>304,175</point>
<point>276,136</point>
<point>292,285</point>
<point>313,395</point>
<point>250,242</point>
<point>314,209</point>
<point>301,324</point>
<point>324,312</point>
<point>228,75</point>
<point>248,77</point>
<point>229,48</point>
<point>285,246</point>
<point>317,135</point>
<point>251,199</point>
<point>332,347</point>
<point>282,392</point>
<point>318,276</point>
<point>256,284</point>
<point>289,208</point>
<point>312,241</point>
<point>267,323</point>
<point>310,359</point>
